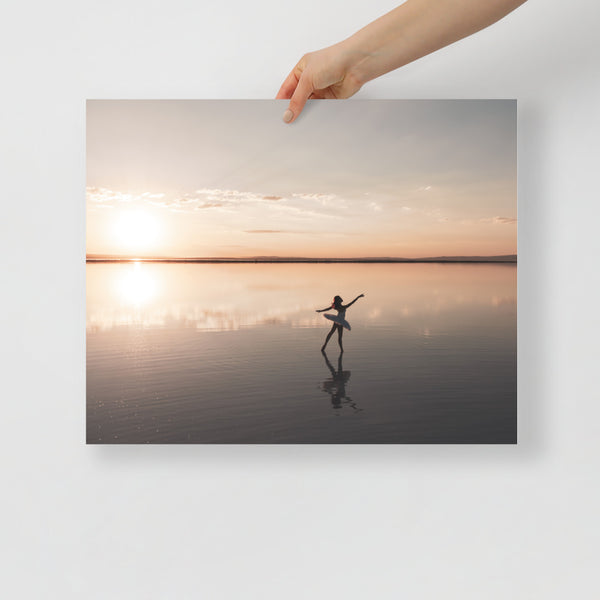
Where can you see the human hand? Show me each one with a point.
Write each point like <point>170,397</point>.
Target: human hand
<point>408,32</point>
<point>326,73</point>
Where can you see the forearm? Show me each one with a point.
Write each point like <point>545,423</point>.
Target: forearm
<point>353,301</point>
<point>415,29</point>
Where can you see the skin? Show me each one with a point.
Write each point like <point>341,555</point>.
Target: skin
<point>340,308</point>
<point>410,31</point>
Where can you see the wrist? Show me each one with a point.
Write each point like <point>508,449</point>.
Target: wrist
<point>382,46</point>
<point>358,61</point>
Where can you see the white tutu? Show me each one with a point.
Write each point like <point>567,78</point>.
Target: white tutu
<point>340,320</point>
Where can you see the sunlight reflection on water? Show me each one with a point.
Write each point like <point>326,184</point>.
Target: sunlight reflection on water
<point>181,353</point>
<point>232,296</point>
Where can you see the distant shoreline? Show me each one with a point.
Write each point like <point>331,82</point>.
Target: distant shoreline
<point>510,258</point>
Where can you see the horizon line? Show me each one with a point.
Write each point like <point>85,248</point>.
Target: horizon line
<point>99,258</point>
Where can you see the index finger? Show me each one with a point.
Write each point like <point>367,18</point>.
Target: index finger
<point>301,94</point>
<point>288,86</point>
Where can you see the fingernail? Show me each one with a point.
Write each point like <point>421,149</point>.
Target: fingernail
<point>288,115</point>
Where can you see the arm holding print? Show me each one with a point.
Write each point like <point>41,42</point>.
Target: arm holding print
<point>408,32</point>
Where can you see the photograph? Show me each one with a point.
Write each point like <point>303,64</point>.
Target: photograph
<point>350,278</point>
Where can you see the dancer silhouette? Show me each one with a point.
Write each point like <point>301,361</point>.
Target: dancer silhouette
<point>339,320</point>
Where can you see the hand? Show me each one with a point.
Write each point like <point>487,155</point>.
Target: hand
<point>325,73</point>
<point>408,32</point>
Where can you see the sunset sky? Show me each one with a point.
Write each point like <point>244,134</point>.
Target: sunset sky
<point>227,178</point>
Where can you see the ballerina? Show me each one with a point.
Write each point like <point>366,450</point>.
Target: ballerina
<point>339,320</point>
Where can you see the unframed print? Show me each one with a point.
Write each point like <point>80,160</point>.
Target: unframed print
<point>215,232</point>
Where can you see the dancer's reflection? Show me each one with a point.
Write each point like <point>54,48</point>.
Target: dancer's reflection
<point>336,385</point>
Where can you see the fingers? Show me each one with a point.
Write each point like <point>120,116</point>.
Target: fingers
<point>287,87</point>
<point>303,90</point>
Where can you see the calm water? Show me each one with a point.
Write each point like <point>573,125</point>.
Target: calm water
<point>230,353</point>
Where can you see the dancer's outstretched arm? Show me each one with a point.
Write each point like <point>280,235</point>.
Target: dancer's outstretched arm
<point>324,309</point>
<point>353,301</point>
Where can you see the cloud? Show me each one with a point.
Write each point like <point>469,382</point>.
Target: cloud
<point>215,198</point>
<point>304,205</point>
<point>279,231</point>
<point>198,200</point>
<point>216,194</point>
<point>322,198</point>
<point>505,220</point>
<point>106,198</point>
<point>499,220</point>
<point>100,195</point>
<point>209,205</point>
<point>317,204</point>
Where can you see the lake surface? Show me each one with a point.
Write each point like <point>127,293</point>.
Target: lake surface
<point>230,353</point>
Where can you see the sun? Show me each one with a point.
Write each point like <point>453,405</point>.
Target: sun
<point>136,230</point>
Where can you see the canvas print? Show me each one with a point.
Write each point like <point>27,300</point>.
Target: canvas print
<point>349,278</point>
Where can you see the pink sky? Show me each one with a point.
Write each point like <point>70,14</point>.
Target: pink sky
<point>349,179</point>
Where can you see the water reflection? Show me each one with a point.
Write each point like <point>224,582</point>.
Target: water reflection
<point>205,353</point>
<point>335,386</point>
<point>137,285</point>
<point>230,297</point>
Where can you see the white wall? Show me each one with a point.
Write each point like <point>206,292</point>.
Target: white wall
<point>292,522</point>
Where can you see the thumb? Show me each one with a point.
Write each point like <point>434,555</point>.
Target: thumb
<point>301,94</point>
